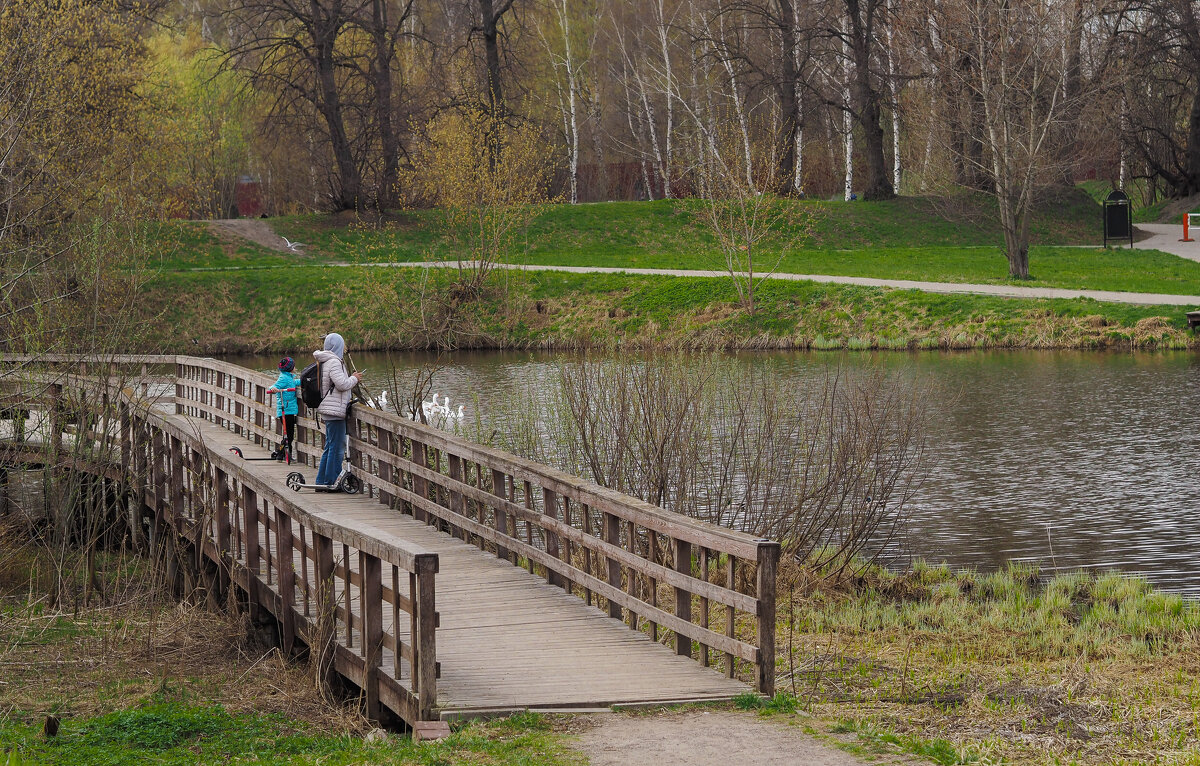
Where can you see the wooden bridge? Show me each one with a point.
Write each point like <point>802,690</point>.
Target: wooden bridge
<point>463,581</point>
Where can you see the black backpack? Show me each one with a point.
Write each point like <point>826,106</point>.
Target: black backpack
<point>310,385</point>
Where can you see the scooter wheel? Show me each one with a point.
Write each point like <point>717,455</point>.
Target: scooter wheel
<point>295,481</point>
<point>237,451</point>
<point>351,485</point>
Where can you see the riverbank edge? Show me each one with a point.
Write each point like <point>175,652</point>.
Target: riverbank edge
<point>424,309</point>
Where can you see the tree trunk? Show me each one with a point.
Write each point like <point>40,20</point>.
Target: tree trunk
<point>382,76</point>
<point>1191,180</point>
<point>349,178</point>
<point>491,53</point>
<point>791,179</point>
<point>877,184</point>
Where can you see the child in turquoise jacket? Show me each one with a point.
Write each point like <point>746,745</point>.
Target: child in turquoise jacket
<point>284,389</point>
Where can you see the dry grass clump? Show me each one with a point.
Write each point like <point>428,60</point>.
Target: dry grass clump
<point>1011,666</point>
<point>134,645</point>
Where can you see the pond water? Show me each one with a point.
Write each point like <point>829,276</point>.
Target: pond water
<point>1067,459</point>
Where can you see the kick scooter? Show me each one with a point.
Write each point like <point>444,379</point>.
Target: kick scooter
<point>283,454</point>
<point>345,482</point>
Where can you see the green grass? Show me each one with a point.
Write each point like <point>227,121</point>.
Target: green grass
<point>287,309</point>
<point>907,238</point>
<point>175,732</point>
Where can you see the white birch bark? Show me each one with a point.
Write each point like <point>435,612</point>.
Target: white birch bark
<point>669,90</point>
<point>569,65</point>
<point>847,118</point>
<point>894,90</point>
<point>798,94</point>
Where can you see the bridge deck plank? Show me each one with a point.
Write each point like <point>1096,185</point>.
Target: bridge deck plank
<point>507,639</point>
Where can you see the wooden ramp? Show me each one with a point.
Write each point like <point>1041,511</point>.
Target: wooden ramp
<point>507,640</point>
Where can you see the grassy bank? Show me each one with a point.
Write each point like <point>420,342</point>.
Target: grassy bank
<point>1007,667</point>
<point>285,309</point>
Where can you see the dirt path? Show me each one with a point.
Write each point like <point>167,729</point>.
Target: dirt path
<point>256,230</point>
<point>706,738</point>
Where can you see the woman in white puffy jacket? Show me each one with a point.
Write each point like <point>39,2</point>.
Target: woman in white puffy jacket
<point>336,384</point>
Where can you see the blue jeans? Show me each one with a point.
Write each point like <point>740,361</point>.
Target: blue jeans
<point>335,450</point>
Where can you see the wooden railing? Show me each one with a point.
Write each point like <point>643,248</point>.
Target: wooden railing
<point>710,588</point>
<point>327,585</point>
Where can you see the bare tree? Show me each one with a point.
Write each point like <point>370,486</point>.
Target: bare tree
<point>1017,74</point>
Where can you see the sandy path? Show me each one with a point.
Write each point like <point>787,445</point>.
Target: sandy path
<point>704,738</point>
<point>256,230</point>
<point>1165,237</point>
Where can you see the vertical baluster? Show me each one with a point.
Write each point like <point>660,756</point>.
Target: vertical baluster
<point>304,554</point>
<point>768,561</point>
<point>550,509</point>
<point>612,536</point>
<point>287,580</point>
<point>425,669</point>
<point>326,604</point>
<point>346,585</point>
<point>500,514</point>
<point>652,557</point>
<point>528,486</point>
<point>250,535</point>
<point>371,608</point>
<point>631,532</point>
<point>397,655</point>
<point>683,597</point>
<point>730,614</point>
<point>704,605</point>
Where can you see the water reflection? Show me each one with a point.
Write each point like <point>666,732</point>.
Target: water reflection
<point>1070,459</point>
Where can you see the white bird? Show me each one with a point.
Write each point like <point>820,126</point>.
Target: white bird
<point>430,406</point>
<point>455,415</point>
<point>445,408</point>
<point>382,401</point>
<point>293,246</point>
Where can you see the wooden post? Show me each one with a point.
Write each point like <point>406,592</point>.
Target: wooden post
<point>499,514</point>
<point>250,536</point>
<point>683,598</point>
<point>768,562</point>
<point>224,557</point>
<point>287,581</point>
<point>612,536</point>
<point>425,645</point>
<point>456,499</point>
<point>176,482</point>
<point>387,443</point>
<point>260,415</point>
<point>326,619</point>
<point>371,607</point>
<point>550,508</point>
<point>420,485</point>
<point>238,407</point>
<point>180,371</point>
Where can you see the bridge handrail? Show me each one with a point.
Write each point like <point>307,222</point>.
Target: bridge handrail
<point>597,543</point>
<point>173,463</point>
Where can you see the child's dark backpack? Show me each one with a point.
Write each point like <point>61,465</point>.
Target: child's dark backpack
<point>310,385</point>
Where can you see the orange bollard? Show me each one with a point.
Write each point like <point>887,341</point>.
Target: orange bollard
<point>1186,238</point>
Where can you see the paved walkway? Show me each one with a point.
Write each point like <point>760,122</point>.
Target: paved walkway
<point>1001,291</point>
<point>1165,237</point>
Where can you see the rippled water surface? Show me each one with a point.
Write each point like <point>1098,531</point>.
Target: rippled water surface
<point>1070,459</point>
